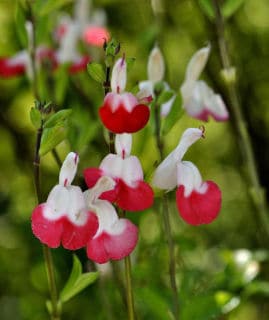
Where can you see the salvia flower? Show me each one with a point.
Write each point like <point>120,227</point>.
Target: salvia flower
<point>19,63</point>
<point>199,100</point>
<point>198,201</point>
<point>116,237</point>
<point>131,192</point>
<point>64,218</point>
<point>122,112</point>
<point>156,70</point>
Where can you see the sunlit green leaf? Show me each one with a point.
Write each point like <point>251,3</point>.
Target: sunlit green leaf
<point>51,137</point>
<point>74,275</point>
<point>58,118</point>
<point>35,117</point>
<point>230,7</point>
<point>77,281</point>
<point>96,71</point>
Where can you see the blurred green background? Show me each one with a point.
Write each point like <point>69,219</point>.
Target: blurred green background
<point>216,281</point>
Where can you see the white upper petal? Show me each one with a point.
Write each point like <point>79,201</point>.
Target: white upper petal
<point>156,66</point>
<point>123,144</point>
<point>189,176</point>
<point>68,169</point>
<point>146,88</point>
<point>77,212</point>
<point>166,107</point>
<point>68,44</point>
<point>119,76</point>
<point>57,203</point>
<point>197,64</point>
<point>128,169</point>
<point>165,176</point>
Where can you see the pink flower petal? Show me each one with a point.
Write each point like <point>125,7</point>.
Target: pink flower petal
<point>134,199</point>
<point>75,237</point>
<point>47,231</point>
<point>113,246</point>
<point>199,208</point>
<point>96,36</point>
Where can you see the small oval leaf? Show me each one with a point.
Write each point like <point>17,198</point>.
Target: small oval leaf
<point>96,71</point>
<point>58,118</point>
<point>35,117</point>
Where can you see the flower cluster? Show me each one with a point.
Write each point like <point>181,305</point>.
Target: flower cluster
<point>89,219</point>
<point>76,219</point>
<point>85,27</point>
<point>198,202</point>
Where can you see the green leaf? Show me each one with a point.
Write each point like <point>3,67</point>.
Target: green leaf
<point>77,281</point>
<point>74,275</point>
<point>230,7</point>
<point>20,24</point>
<point>207,8</point>
<point>174,115</point>
<point>96,71</point>
<point>58,118</point>
<point>35,117</point>
<point>53,5</point>
<point>51,137</point>
<point>165,96</point>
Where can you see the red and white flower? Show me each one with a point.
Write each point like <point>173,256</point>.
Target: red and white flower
<point>64,218</point>
<point>19,64</point>
<point>122,112</point>
<point>198,202</point>
<point>199,100</point>
<point>116,237</point>
<point>156,70</point>
<point>130,193</point>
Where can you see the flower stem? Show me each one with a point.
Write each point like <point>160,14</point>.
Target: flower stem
<point>256,190</point>
<point>129,290</point>
<point>55,312</point>
<point>166,218</point>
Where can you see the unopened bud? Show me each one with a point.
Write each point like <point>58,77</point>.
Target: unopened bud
<point>156,66</point>
<point>123,144</point>
<point>228,75</point>
<point>119,76</point>
<point>68,169</point>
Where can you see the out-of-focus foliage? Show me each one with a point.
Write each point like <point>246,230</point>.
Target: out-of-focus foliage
<point>215,280</point>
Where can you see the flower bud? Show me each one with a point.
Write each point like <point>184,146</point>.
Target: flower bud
<point>68,169</point>
<point>197,64</point>
<point>119,76</point>
<point>156,65</point>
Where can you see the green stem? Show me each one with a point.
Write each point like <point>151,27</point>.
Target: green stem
<point>55,312</point>
<point>256,190</point>
<point>166,218</point>
<point>129,291</point>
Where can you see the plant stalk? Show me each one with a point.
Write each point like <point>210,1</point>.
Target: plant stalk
<point>55,313</point>
<point>256,190</point>
<point>166,218</point>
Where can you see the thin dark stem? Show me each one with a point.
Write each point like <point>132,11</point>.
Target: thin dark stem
<point>55,312</point>
<point>256,190</point>
<point>57,157</point>
<point>166,218</point>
